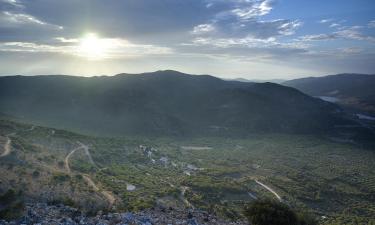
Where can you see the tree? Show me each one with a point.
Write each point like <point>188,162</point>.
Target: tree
<point>266,212</point>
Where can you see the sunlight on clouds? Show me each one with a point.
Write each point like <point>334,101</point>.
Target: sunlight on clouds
<point>90,47</point>
<point>93,47</point>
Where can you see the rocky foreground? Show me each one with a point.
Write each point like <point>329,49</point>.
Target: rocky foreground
<point>43,214</point>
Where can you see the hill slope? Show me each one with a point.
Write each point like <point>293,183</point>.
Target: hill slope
<point>210,174</point>
<point>354,90</point>
<point>162,103</point>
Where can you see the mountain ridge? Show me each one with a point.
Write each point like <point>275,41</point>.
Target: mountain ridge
<point>351,90</point>
<point>163,102</point>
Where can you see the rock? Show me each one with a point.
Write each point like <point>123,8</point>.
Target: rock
<point>192,222</point>
<point>43,214</point>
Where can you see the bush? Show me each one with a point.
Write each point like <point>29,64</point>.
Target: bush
<point>36,174</point>
<point>266,212</point>
<point>62,200</point>
<point>11,205</point>
<point>60,177</point>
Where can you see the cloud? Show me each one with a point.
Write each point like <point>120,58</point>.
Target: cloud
<point>203,29</point>
<point>244,49</point>
<point>371,24</point>
<point>354,33</point>
<point>242,9</point>
<point>325,20</point>
<point>230,42</point>
<point>319,37</point>
<point>238,29</point>
<point>11,19</point>
<point>256,29</point>
<point>112,48</point>
<point>12,3</point>
<point>252,10</point>
<point>351,50</point>
<point>242,18</point>
<point>12,15</point>
<point>67,40</point>
<point>351,33</point>
<point>333,25</point>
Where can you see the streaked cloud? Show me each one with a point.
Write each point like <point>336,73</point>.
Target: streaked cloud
<point>15,16</point>
<point>243,18</point>
<point>325,20</point>
<point>333,25</point>
<point>252,9</point>
<point>351,33</point>
<point>14,3</point>
<point>203,29</point>
<point>114,48</point>
<point>11,19</point>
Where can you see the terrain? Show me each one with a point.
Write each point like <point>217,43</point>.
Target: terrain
<point>355,91</point>
<point>334,181</point>
<point>164,103</point>
<point>180,148</point>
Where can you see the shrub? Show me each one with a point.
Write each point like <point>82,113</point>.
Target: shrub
<point>60,177</point>
<point>11,205</point>
<point>36,174</point>
<point>266,212</point>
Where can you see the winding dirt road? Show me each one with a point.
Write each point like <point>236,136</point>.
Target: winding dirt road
<point>111,199</point>
<point>182,196</point>
<point>106,194</point>
<point>6,148</point>
<point>66,160</point>
<point>270,190</point>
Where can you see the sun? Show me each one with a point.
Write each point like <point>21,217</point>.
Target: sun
<point>92,47</point>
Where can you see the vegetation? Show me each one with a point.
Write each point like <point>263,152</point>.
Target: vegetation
<point>165,103</point>
<point>267,212</point>
<point>270,213</point>
<point>333,182</point>
<point>11,205</point>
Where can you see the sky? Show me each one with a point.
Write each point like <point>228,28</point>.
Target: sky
<point>253,39</point>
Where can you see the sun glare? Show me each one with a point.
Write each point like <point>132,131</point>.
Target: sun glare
<point>92,47</point>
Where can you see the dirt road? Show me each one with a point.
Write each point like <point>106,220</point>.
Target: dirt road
<point>7,148</point>
<point>270,190</point>
<point>109,196</point>
<point>111,199</point>
<point>66,160</point>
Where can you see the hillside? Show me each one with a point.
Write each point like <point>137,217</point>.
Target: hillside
<point>213,175</point>
<point>163,103</point>
<point>354,90</point>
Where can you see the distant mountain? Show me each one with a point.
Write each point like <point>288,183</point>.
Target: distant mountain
<point>353,90</point>
<point>277,81</point>
<point>163,103</point>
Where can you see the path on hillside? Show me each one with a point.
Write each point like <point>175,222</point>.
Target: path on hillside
<point>87,152</point>
<point>66,160</point>
<point>182,196</point>
<point>270,190</point>
<point>7,145</point>
<point>111,199</point>
<point>31,128</point>
<point>6,148</point>
<point>109,196</point>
